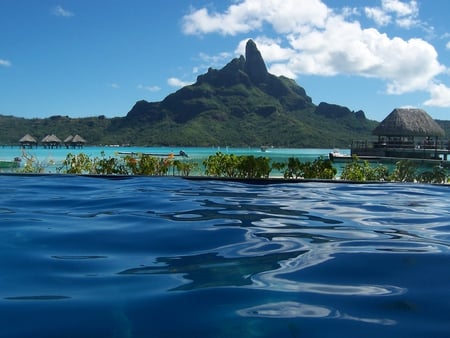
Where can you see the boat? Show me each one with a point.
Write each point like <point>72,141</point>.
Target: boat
<point>336,155</point>
<point>405,134</point>
<point>181,153</point>
<point>8,164</point>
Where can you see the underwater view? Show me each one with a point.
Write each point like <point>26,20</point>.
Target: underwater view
<point>124,256</point>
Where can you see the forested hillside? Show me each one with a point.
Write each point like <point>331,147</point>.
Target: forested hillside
<point>241,104</point>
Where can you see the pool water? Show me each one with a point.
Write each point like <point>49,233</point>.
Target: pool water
<point>171,257</point>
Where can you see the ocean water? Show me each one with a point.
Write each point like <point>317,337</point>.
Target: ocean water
<point>172,257</point>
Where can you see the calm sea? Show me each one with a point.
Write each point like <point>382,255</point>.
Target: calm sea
<point>172,257</point>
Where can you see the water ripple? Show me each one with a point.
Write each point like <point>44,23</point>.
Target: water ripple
<point>364,255</point>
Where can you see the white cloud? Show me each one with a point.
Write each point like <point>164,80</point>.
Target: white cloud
<point>5,63</point>
<point>400,8</point>
<point>175,82</point>
<point>208,61</point>
<point>114,85</point>
<point>350,11</point>
<point>149,88</point>
<point>282,69</point>
<point>213,59</point>
<point>403,13</point>
<point>447,45</point>
<point>60,11</point>
<point>380,17</point>
<point>248,15</point>
<point>270,48</point>
<point>313,39</point>
<point>440,96</point>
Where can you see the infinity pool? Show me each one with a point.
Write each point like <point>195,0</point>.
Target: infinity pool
<point>172,257</point>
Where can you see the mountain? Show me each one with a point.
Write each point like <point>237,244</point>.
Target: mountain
<point>241,104</point>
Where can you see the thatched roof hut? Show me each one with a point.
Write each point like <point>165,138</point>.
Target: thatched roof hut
<point>74,141</point>
<point>77,139</point>
<point>408,122</point>
<point>68,139</point>
<point>27,141</point>
<point>51,141</point>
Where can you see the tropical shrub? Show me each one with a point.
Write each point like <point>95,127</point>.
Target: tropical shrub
<point>278,166</point>
<point>437,175</point>
<point>146,164</point>
<point>405,171</point>
<point>221,165</point>
<point>185,167</point>
<point>319,168</point>
<point>33,165</point>
<point>230,165</point>
<point>76,164</point>
<point>109,166</point>
<point>358,170</point>
<point>253,167</point>
<point>293,169</point>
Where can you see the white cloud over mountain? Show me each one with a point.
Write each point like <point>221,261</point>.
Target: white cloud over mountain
<point>307,37</point>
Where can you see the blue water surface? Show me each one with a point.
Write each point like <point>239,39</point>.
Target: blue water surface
<point>172,257</point>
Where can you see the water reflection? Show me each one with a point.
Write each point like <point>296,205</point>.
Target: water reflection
<point>280,240</point>
<point>256,261</point>
<point>301,310</point>
<point>212,270</point>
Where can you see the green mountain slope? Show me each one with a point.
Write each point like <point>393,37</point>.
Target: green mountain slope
<point>244,105</point>
<point>241,104</point>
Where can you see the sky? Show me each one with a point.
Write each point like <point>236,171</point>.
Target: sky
<point>82,58</point>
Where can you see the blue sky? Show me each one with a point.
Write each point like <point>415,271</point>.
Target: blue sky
<point>98,57</point>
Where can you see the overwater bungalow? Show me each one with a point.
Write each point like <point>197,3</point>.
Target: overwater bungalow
<point>67,140</point>
<point>406,133</point>
<point>51,141</point>
<point>28,141</point>
<point>74,141</point>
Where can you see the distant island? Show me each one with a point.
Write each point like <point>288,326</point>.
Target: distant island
<point>241,104</point>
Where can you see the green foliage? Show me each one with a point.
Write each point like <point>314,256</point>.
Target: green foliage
<point>33,165</point>
<point>279,166</point>
<point>143,164</point>
<point>76,164</point>
<point>437,175</point>
<point>319,168</point>
<point>405,171</point>
<point>221,165</point>
<point>232,166</point>
<point>358,170</point>
<point>184,168</point>
<point>253,167</point>
<point>294,168</point>
<point>148,165</point>
<point>109,166</point>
